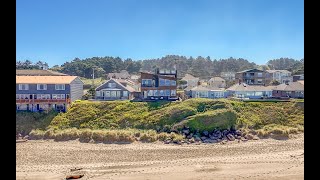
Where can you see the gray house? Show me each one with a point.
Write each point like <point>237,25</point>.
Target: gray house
<point>114,90</point>
<point>242,90</point>
<point>39,93</point>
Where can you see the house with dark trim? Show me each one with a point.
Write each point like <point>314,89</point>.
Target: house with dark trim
<point>162,85</point>
<point>40,93</point>
<point>289,90</point>
<point>253,77</point>
<point>115,89</point>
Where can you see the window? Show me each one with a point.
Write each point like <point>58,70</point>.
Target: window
<point>155,92</point>
<point>17,96</point>
<point>161,82</point>
<point>259,74</point>
<point>259,93</point>
<point>58,96</point>
<point>146,82</point>
<point>150,92</point>
<point>167,91</point>
<point>97,93</point>
<point>173,92</point>
<point>113,93</point>
<point>173,83</point>
<point>125,93</point>
<point>23,86</point>
<point>259,81</point>
<point>167,82</point>
<point>118,93</point>
<point>41,87</point>
<point>111,85</point>
<point>43,96</point>
<point>60,87</point>
<point>161,93</point>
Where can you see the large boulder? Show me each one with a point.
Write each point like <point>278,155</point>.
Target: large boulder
<point>205,133</point>
<point>203,138</point>
<point>230,137</point>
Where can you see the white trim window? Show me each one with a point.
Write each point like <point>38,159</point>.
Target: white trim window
<point>173,83</point>
<point>173,92</point>
<point>41,87</point>
<point>111,85</point>
<point>125,93</point>
<point>167,91</point>
<point>23,86</point>
<point>150,92</point>
<point>58,96</point>
<point>43,96</point>
<point>60,87</point>
<point>167,82</point>
<point>155,92</point>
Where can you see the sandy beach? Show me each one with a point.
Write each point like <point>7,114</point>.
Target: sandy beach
<point>256,159</point>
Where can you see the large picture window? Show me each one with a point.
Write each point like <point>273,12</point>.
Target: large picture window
<point>167,92</point>
<point>173,83</point>
<point>173,92</point>
<point>162,82</point>
<point>146,82</point>
<point>161,93</point>
<point>23,86</point>
<point>150,92</point>
<point>167,82</point>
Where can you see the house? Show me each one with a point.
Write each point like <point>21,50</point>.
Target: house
<point>38,93</point>
<point>38,72</point>
<point>191,80</point>
<point>298,77</point>
<point>113,89</point>
<point>252,77</point>
<point>188,92</point>
<point>242,90</point>
<point>217,82</point>
<point>122,75</point>
<point>161,85</point>
<point>291,90</point>
<point>282,76</point>
<point>228,76</point>
<point>207,92</point>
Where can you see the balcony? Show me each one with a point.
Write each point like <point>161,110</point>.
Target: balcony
<point>35,101</point>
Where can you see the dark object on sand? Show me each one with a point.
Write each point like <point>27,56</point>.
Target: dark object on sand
<point>75,169</point>
<point>74,176</point>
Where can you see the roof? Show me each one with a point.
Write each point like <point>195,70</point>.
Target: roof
<point>189,77</point>
<point>216,79</point>
<point>273,71</point>
<point>45,79</point>
<point>38,72</point>
<point>200,88</point>
<point>301,81</point>
<point>292,86</point>
<point>129,88</point>
<point>248,70</point>
<point>245,87</point>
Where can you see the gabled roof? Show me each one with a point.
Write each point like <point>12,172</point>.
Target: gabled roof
<point>250,70</point>
<point>282,71</point>
<point>200,88</point>
<point>245,87</point>
<point>292,86</point>
<point>45,79</point>
<point>189,77</point>
<point>128,88</point>
<point>216,79</point>
<point>38,72</point>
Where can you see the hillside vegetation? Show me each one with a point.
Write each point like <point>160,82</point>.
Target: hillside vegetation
<point>145,119</point>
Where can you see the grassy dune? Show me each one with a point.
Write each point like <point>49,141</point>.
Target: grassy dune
<point>148,118</point>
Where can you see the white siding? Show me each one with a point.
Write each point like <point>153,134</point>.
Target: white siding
<point>76,89</point>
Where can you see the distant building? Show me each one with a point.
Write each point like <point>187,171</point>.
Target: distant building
<point>298,77</point>
<point>217,82</point>
<point>122,75</point>
<point>228,76</point>
<point>162,85</point>
<point>207,92</point>
<point>282,76</point>
<point>252,77</point>
<point>191,80</point>
<point>39,93</point>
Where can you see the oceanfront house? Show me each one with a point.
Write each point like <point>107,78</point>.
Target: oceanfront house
<point>282,76</point>
<point>298,77</point>
<point>252,77</point>
<point>114,89</point>
<point>207,92</point>
<point>122,75</point>
<point>242,90</point>
<point>39,93</point>
<point>191,81</point>
<point>217,82</point>
<point>289,90</point>
<point>162,85</point>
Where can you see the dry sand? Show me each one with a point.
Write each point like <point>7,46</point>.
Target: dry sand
<point>260,159</point>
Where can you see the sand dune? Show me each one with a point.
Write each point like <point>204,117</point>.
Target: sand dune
<point>262,159</point>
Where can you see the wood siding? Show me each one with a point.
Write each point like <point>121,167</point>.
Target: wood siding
<point>76,89</point>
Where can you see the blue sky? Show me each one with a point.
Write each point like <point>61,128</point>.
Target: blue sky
<point>57,31</point>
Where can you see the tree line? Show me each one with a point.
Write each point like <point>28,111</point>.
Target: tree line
<point>203,67</point>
